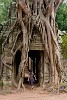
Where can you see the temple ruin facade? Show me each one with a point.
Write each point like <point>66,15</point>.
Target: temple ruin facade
<point>32,41</point>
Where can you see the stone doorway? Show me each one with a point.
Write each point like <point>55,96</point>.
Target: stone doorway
<point>17,61</point>
<point>35,64</point>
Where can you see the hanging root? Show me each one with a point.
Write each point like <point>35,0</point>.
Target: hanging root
<point>20,84</point>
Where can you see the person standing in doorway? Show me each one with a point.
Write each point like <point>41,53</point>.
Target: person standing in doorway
<point>31,78</point>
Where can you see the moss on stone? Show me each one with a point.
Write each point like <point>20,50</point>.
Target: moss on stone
<point>64,46</point>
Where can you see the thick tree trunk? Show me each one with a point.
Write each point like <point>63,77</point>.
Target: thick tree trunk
<point>45,22</point>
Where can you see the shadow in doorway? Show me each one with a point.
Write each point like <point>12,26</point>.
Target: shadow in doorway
<point>35,64</point>
<point>16,64</point>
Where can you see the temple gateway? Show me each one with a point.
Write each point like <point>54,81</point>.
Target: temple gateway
<point>31,42</point>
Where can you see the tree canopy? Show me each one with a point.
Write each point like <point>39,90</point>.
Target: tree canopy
<point>61,17</point>
<point>4,4</point>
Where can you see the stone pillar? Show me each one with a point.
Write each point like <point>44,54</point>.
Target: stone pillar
<point>46,71</point>
<point>30,63</point>
<point>41,69</point>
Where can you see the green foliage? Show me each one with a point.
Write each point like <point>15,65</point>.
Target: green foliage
<point>1,83</point>
<point>61,17</point>
<point>64,46</point>
<point>4,5</point>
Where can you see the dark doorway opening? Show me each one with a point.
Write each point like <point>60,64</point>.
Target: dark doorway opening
<point>17,62</point>
<point>35,63</point>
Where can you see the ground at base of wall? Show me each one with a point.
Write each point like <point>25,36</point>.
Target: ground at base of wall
<point>32,94</point>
